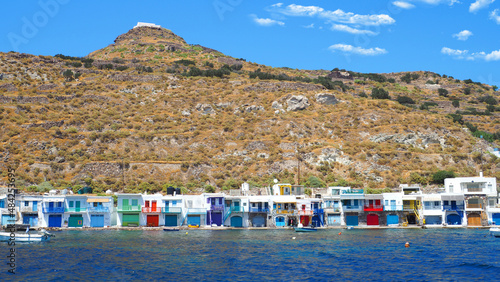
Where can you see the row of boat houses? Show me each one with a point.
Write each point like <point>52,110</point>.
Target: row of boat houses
<point>464,201</point>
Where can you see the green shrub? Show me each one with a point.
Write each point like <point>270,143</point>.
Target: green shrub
<point>443,92</point>
<point>439,177</point>
<point>380,93</point>
<point>405,100</point>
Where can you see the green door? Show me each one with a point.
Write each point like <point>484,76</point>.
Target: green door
<point>132,219</point>
<point>75,220</point>
<point>125,206</point>
<point>77,206</point>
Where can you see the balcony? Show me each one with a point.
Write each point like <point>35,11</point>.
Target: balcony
<point>393,208</point>
<point>266,210</point>
<point>318,211</point>
<point>171,210</point>
<point>129,209</point>
<point>285,211</point>
<point>374,207</point>
<point>29,210</point>
<point>76,210</point>
<point>198,211</point>
<point>98,209</point>
<point>53,210</point>
<point>305,212</point>
<point>237,209</point>
<point>151,210</point>
<point>474,206</point>
<point>216,208</point>
<point>410,207</point>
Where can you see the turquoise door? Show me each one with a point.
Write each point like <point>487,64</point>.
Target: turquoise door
<point>6,219</point>
<point>77,206</point>
<point>35,206</point>
<point>193,220</point>
<point>170,220</point>
<point>392,219</point>
<point>496,218</point>
<point>351,220</point>
<point>236,221</point>
<point>280,221</point>
<point>97,220</point>
<point>333,219</point>
<point>75,220</point>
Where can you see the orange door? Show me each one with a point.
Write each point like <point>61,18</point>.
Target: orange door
<point>153,207</point>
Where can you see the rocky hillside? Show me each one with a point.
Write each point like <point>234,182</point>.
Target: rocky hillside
<point>151,110</point>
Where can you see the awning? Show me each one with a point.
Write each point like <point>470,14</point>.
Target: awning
<point>98,200</point>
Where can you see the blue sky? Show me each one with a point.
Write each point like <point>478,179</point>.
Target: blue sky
<point>457,38</point>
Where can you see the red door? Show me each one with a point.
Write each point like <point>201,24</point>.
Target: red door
<point>153,207</point>
<point>153,220</point>
<point>372,219</point>
<point>304,220</point>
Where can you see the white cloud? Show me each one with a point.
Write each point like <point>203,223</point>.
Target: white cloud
<point>335,16</point>
<point>494,16</point>
<point>309,26</point>
<point>349,49</point>
<point>479,4</point>
<point>463,35</point>
<point>464,54</point>
<point>277,5</point>
<point>403,5</point>
<point>437,2</point>
<point>266,21</point>
<point>345,28</point>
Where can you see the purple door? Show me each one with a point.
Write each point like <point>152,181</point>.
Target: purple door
<point>214,218</point>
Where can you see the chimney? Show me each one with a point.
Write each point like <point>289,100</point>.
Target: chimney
<point>480,174</point>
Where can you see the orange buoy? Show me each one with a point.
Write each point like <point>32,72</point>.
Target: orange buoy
<point>407,245</point>
<point>340,233</point>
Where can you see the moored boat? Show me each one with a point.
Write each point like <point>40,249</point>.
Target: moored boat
<point>495,231</point>
<point>305,229</point>
<point>193,226</point>
<point>171,229</point>
<point>25,237</point>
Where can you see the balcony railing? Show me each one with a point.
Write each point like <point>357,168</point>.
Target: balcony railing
<point>53,210</point>
<point>171,210</point>
<point>352,207</point>
<point>82,209</point>
<point>358,191</point>
<point>430,208</point>
<point>129,209</point>
<point>453,207</point>
<point>332,209</point>
<point>216,208</point>
<point>98,209</point>
<point>374,207</point>
<point>285,211</point>
<point>474,206</point>
<point>199,211</point>
<point>257,209</point>
<point>237,209</point>
<point>28,209</point>
<point>151,209</point>
<point>409,207</point>
<point>393,207</point>
<point>318,211</point>
<point>304,212</point>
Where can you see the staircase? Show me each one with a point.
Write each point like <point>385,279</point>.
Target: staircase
<point>184,218</point>
<point>228,213</point>
<point>416,209</point>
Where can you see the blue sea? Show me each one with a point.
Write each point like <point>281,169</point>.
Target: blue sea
<point>257,255</point>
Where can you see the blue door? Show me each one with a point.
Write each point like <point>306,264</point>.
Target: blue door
<point>97,220</point>
<point>259,221</point>
<point>30,219</point>
<point>193,220</point>
<point>280,221</point>
<point>334,219</point>
<point>436,220</point>
<point>453,219</point>
<point>392,219</point>
<point>170,220</point>
<point>236,221</point>
<point>496,218</point>
<point>55,220</point>
<point>351,220</point>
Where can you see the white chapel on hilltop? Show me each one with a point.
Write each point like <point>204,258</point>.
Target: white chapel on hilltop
<point>141,24</point>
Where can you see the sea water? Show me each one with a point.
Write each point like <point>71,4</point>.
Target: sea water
<point>257,255</point>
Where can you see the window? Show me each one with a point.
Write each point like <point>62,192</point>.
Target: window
<point>166,203</point>
<point>174,203</point>
<point>220,201</point>
<point>26,203</point>
<point>71,204</point>
<point>2,204</point>
<point>445,203</point>
<point>427,205</point>
<point>355,203</point>
<point>437,203</point>
<point>134,202</point>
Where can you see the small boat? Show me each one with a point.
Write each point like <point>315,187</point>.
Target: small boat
<point>171,229</point>
<point>305,229</point>
<point>193,226</point>
<point>495,231</point>
<point>25,237</point>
